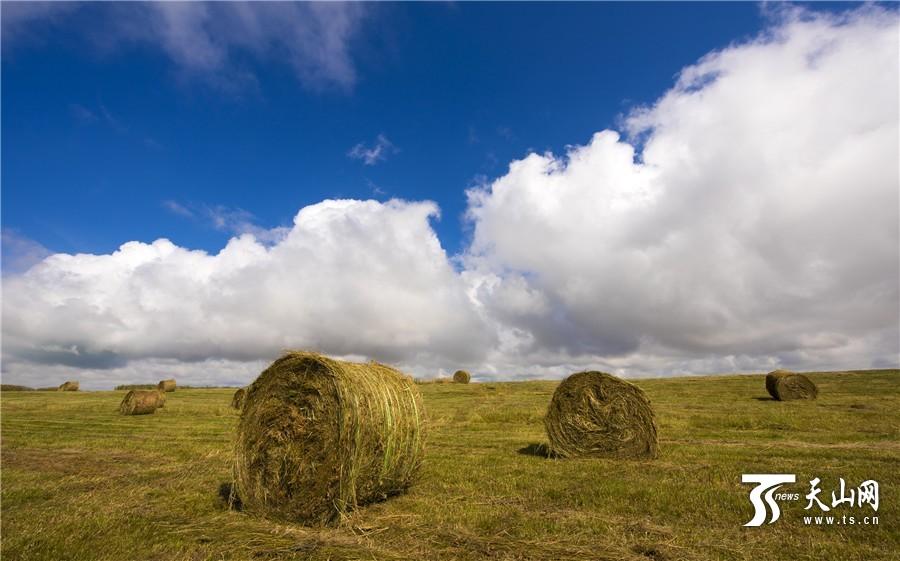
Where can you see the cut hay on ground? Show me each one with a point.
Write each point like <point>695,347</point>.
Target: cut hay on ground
<point>69,386</point>
<point>238,400</point>
<point>785,385</point>
<point>461,377</point>
<point>142,402</point>
<point>597,414</point>
<point>166,385</point>
<point>319,437</point>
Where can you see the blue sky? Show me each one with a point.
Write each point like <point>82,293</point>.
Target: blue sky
<point>520,190</point>
<point>97,139</point>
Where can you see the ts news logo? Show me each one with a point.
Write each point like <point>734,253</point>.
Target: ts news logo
<point>766,494</point>
<point>767,483</point>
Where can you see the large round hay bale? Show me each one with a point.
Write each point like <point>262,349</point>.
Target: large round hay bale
<point>69,386</point>
<point>596,414</point>
<point>166,385</point>
<point>785,385</point>
<point>461,377</point>
<point>141,402</point>
<point>237,401</point>
<point>319,437</point>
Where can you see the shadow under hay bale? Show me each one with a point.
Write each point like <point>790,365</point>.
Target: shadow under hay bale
<point>461,377</point>
<point>319,437</point>
<point>237,400</point>
<point>141,402</point>
<point>537,449</point>
<point>594,414</point>
<point>69,386</point>
<point>166,385</point>
<point>229,497</point>
<point>785,385</point>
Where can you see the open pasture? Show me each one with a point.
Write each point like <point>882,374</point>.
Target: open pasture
<point>81,482</point>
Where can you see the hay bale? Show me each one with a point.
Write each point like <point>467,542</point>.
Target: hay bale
<point>461,377</point>
<point>237,401</point>
<point>320,437</point>
<point>785,385</point>
<point>166,385</point>
<point>69,386</point>
<point>596,414</point>
<point>142,402</point>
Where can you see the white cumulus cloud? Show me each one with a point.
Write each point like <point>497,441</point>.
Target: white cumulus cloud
<point>758,226</point>
<point>746,220</point>
<point>349,278</point>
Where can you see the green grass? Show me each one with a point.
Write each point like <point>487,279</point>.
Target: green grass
<point>81,482</point>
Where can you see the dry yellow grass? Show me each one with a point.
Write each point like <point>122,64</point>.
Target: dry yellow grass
<point>81,483</point>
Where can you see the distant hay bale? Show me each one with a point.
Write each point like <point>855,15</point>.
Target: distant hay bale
<point>142,402</point>
<point>166,385</point>
<point>596,414</point>
<point>785,385</point>
<point>461,377</point>
<point>237,401</point>
<point>69,386</point>
<point>319,437</point>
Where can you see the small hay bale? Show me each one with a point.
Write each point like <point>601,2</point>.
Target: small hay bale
<point>166,385</point>
<point>461,377</point>
<point>69,386</point>
<point>599,415</point>
<point>142,402</point>
<point>237,401</point>
<point>319,437</point>
<point>785,385</point>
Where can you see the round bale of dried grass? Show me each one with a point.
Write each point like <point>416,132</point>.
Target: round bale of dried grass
<point>461,377</point>
<point>237,401</point>
<point>785,385</point>
<point>594,414</point>
<point>166,385</point>
<point>69,386</point>
<point>319,437</point>
<point>142,402</point>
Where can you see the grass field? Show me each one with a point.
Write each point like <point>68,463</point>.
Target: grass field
<point>81,482</point>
